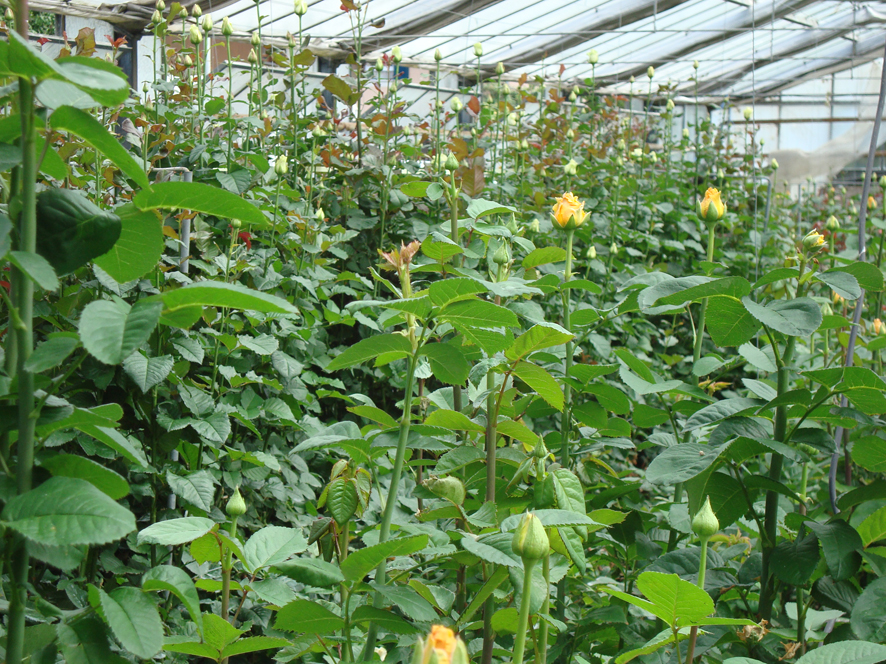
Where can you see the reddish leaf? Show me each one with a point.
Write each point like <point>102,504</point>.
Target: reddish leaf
<point>474,105</point>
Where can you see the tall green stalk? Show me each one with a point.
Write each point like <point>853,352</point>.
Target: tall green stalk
<point>391,503</point>
<point>699,332</point>
<point>523,620</point>
<point>24,342</point>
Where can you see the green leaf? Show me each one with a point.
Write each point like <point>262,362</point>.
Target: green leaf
<point>111,330</point>
<point>367,349</point>
<point>199,197</point>
<point>134,620</point>
<point>869,613</point>
<point>147,372</point>
<point>453,420</point>
<point>221,294</point>
<point>552,518</point>
<point>540,381</point>
<point>479,208</point>
<point>729,322</point>
<point>253,644</point>
<point>799,317</point>
<point>478,313</point>
<point>870,453</point>
<point>538,337</point>
<point>840,543</point>
<point>873,528</point>
<point>677,602</point>
<point>569,495</point>
<point>843,283</point>
<point>408,601</point>
<point>94,133</point>
<point>448,362</point>
<point>197,488</point>
<point>493,549</point>
<point>386,620</point>
<point>176,531</point>
<point>304,616</point>
<point>681,463</point>
<point>84,641</point>
<point>36,268</point>
<point>757,357</point>
<point>103,80</point>
<point>868,275</point>
<point>139,247</point>
<point>846,652</point>
<point>720,410</point>
<point>341,499</point>
<point>543,256</point>
<point>52,352</point>
<point>273,545</point>
<point>361,562</point>
<point>794,562</point>
<point>66,511</point>
<point>218,632</point>
<point>660,641</point>
<point>128,448</point>
<point>312,572</point>
<point>168,578</point>
<point>340,89</point>
<point>104,479</point>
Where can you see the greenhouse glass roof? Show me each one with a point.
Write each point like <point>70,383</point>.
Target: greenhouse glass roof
<point>744,48</point>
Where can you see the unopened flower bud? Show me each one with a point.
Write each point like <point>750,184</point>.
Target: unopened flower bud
<point>774,164</point>
<point>813,241</point>
<point>300,8</point>
<point>255,40</point>
<point>145,87</point>
<point>695,64</point>
<point>196,11</point>
<point>438,55</point>
<point>379,65</point>
<point>570,134</point>
<point>593,57</point>
<point>571,167</point>
<point>748,113</point>
<point>195,35</point>
<point>883,181</point>
<point>281,166</point>
<point>872,203</point>
<point>591,253</point>
<point>161,6</point>
<point>512,119</point>
<point>500,68</point>
<point>227,29</point>
<point>478,50</point>
<point>530,539</point>
<point>878,326</point>
<point>501,255</point>
<point>705,523</point>
<point>156,17</point>
<point>236,505</point>
<point>456,105</point>
<point>650,71</point>
<point>451,162</point>
<point>449,488</point>
<point>524,144</point>
<point>397,55</point>
<point>670,105</point>
<point>535,225</point>
<point>832,224</point>
<point>207,23</point>
<point>613,249</point>
<point>319,215</point>
<point>252,58</point>
<point>440,105</point>
<point>188,61</point>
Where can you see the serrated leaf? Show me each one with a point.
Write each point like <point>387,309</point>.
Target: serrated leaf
<point>367,349</point>
<point>361,562</point>
<point>173,579</point>
<point>112,330</point>
<point>307,617</point>
<point>104,479</point>
<point>273,545</point>
<point>799,317</point>
<point>538,337</point>
<point>198,488</point>
<point>134,620</point>
<point>147,372</point>
<point>540,381</point>
<point>176,531</point>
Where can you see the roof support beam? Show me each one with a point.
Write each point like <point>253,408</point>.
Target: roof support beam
<point>839,59</point>
<point>418,19</point>
<point>611,16</point>
<point>676,46</point>
<point>723,79</point>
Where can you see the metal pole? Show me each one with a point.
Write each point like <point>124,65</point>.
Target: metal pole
<point>859,303</point>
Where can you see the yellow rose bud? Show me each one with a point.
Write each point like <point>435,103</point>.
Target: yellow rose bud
<point>568,212</point>
<point>748,114</point>
<point>813,241</point>
<point>883,181</point>
<point>711,209</point>
<point>878,326</point>
<point>695,64</point>
<point>872,203</point>
<point>670,105</point>
<point>442,646</point>
<point>774,164</point>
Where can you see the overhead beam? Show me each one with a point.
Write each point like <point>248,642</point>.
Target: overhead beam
<point>850,55</point>
<point>611,16</point>
<point>677,46</point>
<point>724,79</point>
<point>418,19</point>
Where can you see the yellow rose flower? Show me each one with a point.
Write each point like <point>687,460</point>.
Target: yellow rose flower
<point>872,203</point>
<point>568,212</point>
<point>441,646</point>
<point>813,241</point>
<point>711,209</point>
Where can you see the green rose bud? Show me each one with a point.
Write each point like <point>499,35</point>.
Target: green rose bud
<point>832,224</point>
<point>438,55</point>
<point>478,50</point>
<point>500,68</point>
<point>451,163</point>
<point>530,539</point>
<point>501,255</point>
<point>449,488</point>
<point>207,23</point>
<point>236,505</point>
<point>300,8</point>
<point>227,29</point>
<point>255,40</point>
<point>397,54</point>
<point>593,57</point>
<point>281,166</point>
<point>195,35</point>
<point>705,523</point>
